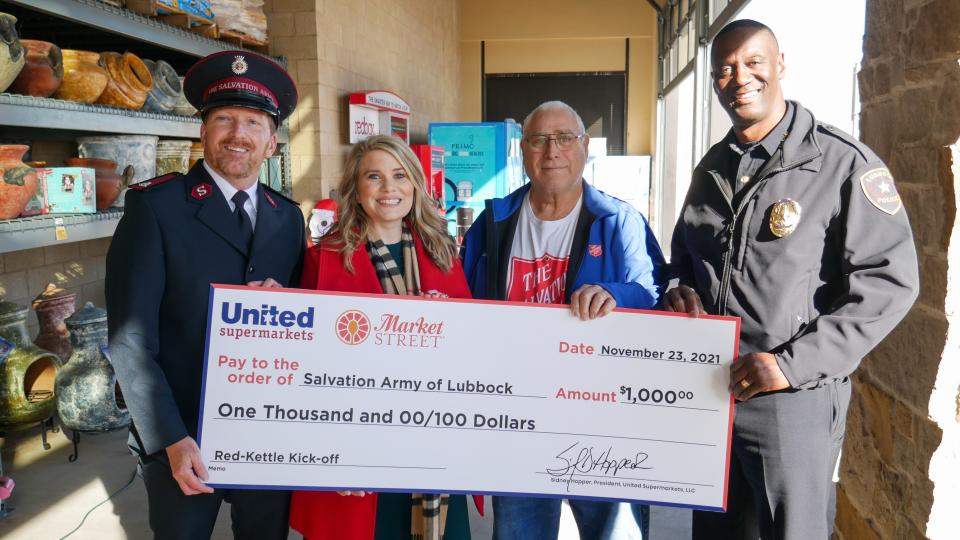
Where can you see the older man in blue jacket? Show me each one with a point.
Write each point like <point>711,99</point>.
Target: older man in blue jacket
<point>558,240</point>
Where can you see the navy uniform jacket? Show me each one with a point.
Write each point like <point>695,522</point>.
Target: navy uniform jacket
<point>178,236</point>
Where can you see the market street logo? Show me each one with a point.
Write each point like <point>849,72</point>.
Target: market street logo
<point>418,333</point>
<point>352,327</point>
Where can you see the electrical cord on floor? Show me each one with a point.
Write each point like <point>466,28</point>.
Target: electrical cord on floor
<point>101,503</point>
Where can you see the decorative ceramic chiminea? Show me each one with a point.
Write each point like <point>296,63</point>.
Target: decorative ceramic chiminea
<point>52,306</point>
<point>88,398</point>
<point>27,372</point>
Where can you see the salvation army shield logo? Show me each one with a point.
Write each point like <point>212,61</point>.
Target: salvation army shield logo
<point>877,185</point>
<point>352,327</point>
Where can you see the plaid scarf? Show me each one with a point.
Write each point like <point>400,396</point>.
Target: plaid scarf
<point>388,272</point>
<point>428,511</point>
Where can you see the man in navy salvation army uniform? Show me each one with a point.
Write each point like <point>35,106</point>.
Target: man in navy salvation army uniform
<point>179,234</point>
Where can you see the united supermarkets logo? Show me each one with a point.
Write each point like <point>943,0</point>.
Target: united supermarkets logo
<point>352,327</point>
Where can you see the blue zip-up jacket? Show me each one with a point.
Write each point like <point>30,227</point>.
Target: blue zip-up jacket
<point>613,247</point>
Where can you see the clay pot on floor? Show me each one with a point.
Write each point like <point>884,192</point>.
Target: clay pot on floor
<point>12,55</point>
<point>52,306</point>
<point>109,183</point>
<point>129,83</point>
<point>83,78</point>
<point>88,398</point>
<point>27,374</point>
<point>18,183</point>
<point>43,72</point>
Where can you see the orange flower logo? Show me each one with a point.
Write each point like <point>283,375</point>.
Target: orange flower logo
<point>352,327</point>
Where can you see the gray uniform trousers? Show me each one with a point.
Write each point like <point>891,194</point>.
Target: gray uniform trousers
<point>785,449</point>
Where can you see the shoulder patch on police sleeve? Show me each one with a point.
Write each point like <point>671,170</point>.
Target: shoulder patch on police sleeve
<point>147,185</point>
<point>878,186</point>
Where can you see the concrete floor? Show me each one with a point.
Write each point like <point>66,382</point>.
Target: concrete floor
<point>52,495</point>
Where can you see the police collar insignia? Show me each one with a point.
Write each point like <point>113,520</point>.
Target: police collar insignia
<point>201,191</point>
<point>878,186</point>
<point>784,217</point>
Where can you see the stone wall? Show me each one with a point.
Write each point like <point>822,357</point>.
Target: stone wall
<point>899,471</point>
<point>335,47</point>
<point>76,266</point>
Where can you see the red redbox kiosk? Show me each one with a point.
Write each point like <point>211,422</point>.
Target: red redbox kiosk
<point>431,159</point>
<point>378,112</point>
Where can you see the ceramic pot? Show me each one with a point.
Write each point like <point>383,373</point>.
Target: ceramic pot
<point>43,72</point>
<point>183,107</point>
<point>52,306</point>
<point>88,397</point>
<point>27,373</point>
<point>83,78</point>
<point>137,150</point>
<point>109,183</point>
<point>166,87</point>
<point>12,57</point>
<point>18,183</point>
<point>173,156</point>
<point>129,81</point>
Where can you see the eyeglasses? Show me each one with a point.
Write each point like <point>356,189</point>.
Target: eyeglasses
<point>539,143</point>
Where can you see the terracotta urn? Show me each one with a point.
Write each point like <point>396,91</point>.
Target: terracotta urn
<point>27,373</point>
<point>88,398</point>
<point>83,77</point>
<point>52,306</point>
<point>166,89</point>
<point>18,183</point>
<point>43,72</point>
<point>129,81</point>
<point>12,56</point>
<point>109,182</point>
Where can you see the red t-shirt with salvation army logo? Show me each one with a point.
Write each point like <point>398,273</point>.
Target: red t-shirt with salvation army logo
<point>539,257</point>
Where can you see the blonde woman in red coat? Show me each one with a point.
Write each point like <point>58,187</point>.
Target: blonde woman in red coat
<point>388,240</point>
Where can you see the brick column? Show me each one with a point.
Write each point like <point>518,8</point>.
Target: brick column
<point>900,470</point>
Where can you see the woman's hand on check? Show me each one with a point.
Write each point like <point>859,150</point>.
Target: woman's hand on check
<point>352,493</point>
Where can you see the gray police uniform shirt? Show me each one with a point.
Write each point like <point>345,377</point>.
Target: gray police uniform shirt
<point>822,293</point>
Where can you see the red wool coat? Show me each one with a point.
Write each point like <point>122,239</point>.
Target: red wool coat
<point>325,515</point>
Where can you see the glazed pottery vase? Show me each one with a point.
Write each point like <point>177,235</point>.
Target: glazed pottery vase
<point>27,372</point>
<point>137,150</point>
<point>109,183</point>
<point>83,78</point>
<point>166,87</point>
<point>43,72</point>
<point>183,107</point>
<point>173,156</point>
<point>18,183</point>
<point>129,81</point>
<point>12,55</point>
<point>196,153</point>
<point>52,306</point>
<point>87,391</point>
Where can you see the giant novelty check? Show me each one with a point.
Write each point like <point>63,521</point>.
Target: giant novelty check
<point>310,390</point>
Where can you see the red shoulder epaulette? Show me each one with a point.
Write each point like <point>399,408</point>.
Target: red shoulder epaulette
<point>154,182</point>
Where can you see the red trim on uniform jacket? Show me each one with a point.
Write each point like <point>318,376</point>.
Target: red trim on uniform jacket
<point>325,515</point>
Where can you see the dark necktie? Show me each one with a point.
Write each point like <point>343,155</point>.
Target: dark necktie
<point>242,218</point>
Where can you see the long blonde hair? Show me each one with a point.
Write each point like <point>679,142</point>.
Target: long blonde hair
<point>352,225</point>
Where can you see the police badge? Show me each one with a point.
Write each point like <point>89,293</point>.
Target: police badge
<point>784,217</point>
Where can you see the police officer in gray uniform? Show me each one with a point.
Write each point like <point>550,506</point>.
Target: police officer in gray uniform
<point>796,228</point>
<point>179,234</point>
